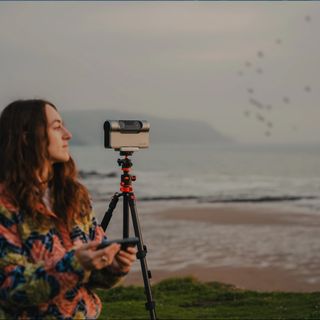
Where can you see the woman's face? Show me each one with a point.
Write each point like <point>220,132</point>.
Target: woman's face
<point>58,136</point>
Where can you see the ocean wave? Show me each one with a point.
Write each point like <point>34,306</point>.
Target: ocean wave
<point>95,174</point>
<point>260,199</point>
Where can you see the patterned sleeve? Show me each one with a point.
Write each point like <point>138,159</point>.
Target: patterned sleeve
<point>103,278</point>
<point>24,283</point>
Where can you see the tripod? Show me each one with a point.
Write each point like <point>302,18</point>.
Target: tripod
<point>129,203</point>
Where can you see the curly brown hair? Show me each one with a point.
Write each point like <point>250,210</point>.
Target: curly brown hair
<point>23,157</point>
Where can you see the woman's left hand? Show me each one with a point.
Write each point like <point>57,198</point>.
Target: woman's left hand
<point>124,259</point>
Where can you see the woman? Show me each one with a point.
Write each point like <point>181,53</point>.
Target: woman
<point>48,233</point>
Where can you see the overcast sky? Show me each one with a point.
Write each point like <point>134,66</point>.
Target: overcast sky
<point>250,69</point>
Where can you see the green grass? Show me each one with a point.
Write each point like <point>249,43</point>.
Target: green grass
<point>187,298</point>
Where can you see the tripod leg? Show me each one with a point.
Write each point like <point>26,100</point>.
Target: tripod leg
<point>141,255</point>
<point>108,215</point>
<point>125,215</point>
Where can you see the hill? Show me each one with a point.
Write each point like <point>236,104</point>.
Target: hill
<point>87,128</point>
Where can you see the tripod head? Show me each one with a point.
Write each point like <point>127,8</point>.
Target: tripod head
<point>126,177</point>
<point>127,152</point>
<point>125,163</point>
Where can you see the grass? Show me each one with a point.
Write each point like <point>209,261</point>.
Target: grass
<point>187,298</point>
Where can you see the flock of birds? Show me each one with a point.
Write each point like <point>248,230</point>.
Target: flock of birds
<point>256,109</point>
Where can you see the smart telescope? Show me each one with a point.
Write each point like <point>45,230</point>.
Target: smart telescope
<point>126,135</point>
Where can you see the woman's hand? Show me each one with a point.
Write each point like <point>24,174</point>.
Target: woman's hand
<point>91,258</point>
<point>123,260</point>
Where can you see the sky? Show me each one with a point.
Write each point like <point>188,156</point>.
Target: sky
<point>249,69</point>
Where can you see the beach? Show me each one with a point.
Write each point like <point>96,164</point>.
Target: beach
<point>253,247</point>
<point>245,216</point>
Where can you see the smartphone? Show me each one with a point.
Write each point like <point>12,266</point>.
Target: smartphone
<point>126,242</point>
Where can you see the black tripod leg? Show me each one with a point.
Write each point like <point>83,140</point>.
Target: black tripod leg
<point>125,215</point>
<point>108,215</point>
<point>141,255</point>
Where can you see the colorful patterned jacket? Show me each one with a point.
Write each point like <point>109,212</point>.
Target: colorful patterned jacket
<point>40,276</point>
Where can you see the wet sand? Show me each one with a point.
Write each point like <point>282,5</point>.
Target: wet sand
<point>269,278</point>
<point>250,278</point>
<point>241,215</point>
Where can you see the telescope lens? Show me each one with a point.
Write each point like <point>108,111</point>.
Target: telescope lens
<point>130,125</point>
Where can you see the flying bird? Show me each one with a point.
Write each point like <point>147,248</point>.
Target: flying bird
<point>260,117</point>
<point>256,103</point>
<point>307,88</point>
<point>260,54</point>
<point>286,100</point>
<point>269,124</point>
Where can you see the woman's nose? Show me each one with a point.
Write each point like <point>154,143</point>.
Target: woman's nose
<point>67,134</point>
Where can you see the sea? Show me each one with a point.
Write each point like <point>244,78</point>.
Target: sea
<point>285,176</point>
<point>282,178</point>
